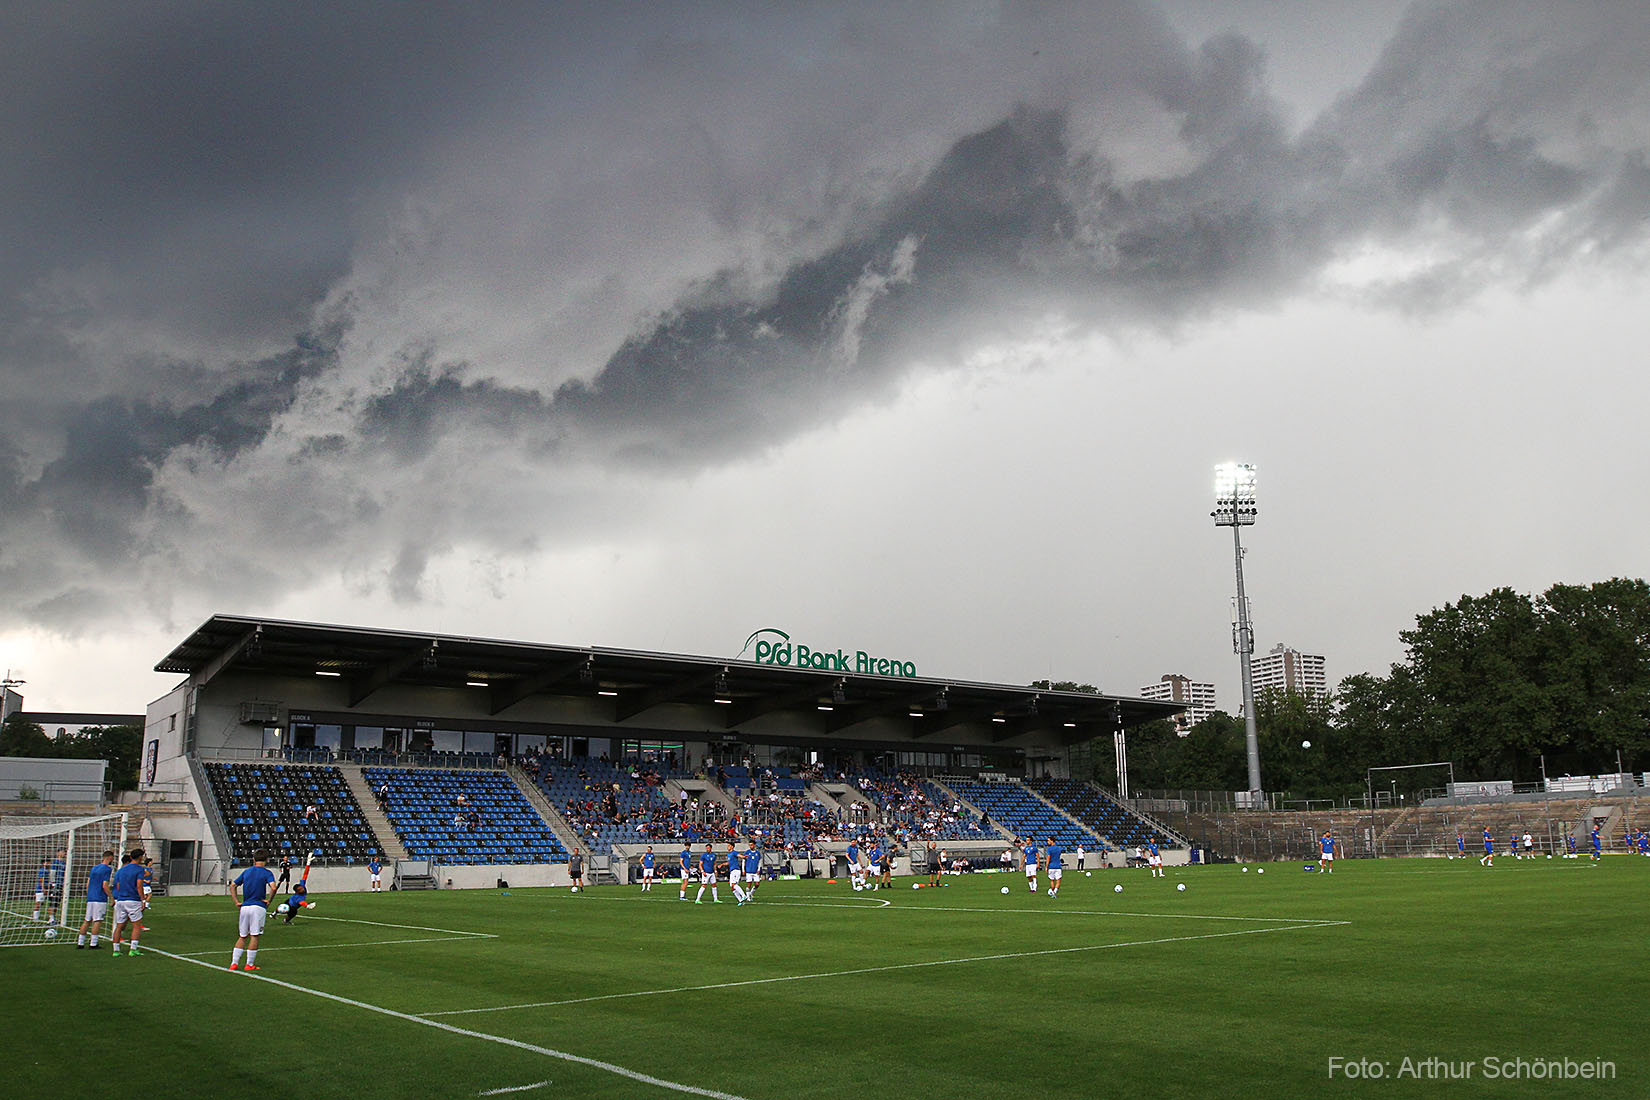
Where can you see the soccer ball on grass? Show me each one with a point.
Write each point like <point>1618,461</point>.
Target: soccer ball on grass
<point>1118,889</point>
<point>1005,889</point>
<point>1181,886</point>
<point>283,908</point>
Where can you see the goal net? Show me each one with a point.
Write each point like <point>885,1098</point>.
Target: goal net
<point>44,868</point>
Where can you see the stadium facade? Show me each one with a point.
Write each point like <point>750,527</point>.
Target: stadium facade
<point>263,689</point>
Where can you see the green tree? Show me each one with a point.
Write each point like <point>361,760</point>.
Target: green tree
<point>19,737</point>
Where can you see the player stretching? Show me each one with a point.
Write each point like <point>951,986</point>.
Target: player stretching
<point>1051,860</point>
<point>97,898</point>
<point>376,867</point>
<point>1028,857</point>
<point>251,892</point>
<point>1488,858</point>
<point>687,871</point>
<point>127,891</point>
<point>753,870</point>
<point>1155,859</point>
<point>873,858</point>
<point>647,869</point>
<point>707,874</point>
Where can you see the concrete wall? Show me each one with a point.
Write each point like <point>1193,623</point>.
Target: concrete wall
<point>51,780</point>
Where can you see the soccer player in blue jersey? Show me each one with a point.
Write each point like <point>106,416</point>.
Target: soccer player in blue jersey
<point>251,892</point>
<point>126,888</point>
<point>1028,863</point>
<point>1570,843</point>
<point>707,874</point>
<point>687,870</point>
<point>1326,853</point>
<point>1460,846</point>
<point>1155,858</point>
<point>1488,858</point>
<point>647,869</point>
<point>753,870</point>
<point>736,872</point>
<point>873,859</point>
<point>298,900</point>
<point>42,886</point>
<point>1051,862</point>
<point>97,898</point>
<point>1644,842</point>
<point>1598,844</point>
<point>853,866</point>
<point>376,869</point>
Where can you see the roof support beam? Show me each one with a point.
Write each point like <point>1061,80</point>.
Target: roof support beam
<point>741,713</point>
<point>507,693</point>
<point>842,717</point>
<point>223,660</point>
<point>632,703</point>
<point>361,686</point>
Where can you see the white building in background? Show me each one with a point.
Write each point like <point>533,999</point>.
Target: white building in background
<point>1199,699</point>
<point>1290,670</point>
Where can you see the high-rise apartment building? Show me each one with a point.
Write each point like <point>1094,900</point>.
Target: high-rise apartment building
<point>1290,670</point>
<point>1199,699</point>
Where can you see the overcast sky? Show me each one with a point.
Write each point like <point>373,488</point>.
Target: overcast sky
<point>913,328</point>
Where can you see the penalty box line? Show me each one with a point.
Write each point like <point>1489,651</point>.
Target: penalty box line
<point>452,1029</point>
<point>885,969</point>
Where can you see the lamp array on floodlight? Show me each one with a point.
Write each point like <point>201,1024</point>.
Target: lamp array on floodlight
<point>1234,495</point>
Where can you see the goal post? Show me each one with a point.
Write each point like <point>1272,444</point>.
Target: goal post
<point>45,864</point>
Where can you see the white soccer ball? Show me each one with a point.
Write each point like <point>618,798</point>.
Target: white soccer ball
<point>51,933</point>
<point>1306,744</point>
<point>1246,870</point>
<point>1118,889</point>
<point>1549,855</point>
<point>1261,871</point>
<point>283,908</point>
<point>1005,889</point>
<point>916,886</point>
<point>1088,874</point>
<point>1181,887</point>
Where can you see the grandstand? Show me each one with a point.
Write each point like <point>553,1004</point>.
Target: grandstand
<point>1022,814</point>
<point>920,810</point>
<point>265,806</point>
<point>1110,820</point>
<point>464,817</point>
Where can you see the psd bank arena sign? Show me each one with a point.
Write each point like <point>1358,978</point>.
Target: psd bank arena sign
<point>775,647</point>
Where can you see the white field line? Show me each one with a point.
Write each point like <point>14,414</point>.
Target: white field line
<point>356,920</point>
<point>883,969</point>
<point>880,903</point>
<point>451,1029</point>
<point>330,946</point>
<point>513,1088</point>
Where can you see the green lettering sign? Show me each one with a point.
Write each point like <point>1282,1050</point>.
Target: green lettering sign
<point>772,646</point>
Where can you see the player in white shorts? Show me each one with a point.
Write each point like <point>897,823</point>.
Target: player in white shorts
<point>647,869</point>
<point>252,891</point>
<point>1028,855</point>
<point>735,874</point>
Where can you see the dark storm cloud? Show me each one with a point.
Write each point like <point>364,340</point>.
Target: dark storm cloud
<point>544,243</point>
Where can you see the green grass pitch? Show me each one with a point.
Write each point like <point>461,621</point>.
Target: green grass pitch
<point>1242,985</point>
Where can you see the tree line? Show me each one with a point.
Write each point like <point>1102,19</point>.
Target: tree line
<point>119,745</point>
<point>1504,686</point>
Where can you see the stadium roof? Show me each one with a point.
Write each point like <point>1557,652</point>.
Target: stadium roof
<point>635,682</point>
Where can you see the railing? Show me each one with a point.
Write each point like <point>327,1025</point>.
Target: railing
<point>373,758</point>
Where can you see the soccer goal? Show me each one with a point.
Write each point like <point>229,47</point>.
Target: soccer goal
<point>44,864</point>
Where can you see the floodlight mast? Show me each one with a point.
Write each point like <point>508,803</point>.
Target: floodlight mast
<point>1235,508</point>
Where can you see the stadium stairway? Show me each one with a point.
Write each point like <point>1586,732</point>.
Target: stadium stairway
<point>388,842</point>
<point>559,825</point>
<point>843,795</point>
<point>1077,822</point>
<point>701,789</point>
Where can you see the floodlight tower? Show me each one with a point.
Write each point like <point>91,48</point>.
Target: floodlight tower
<point>1235,508</point>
